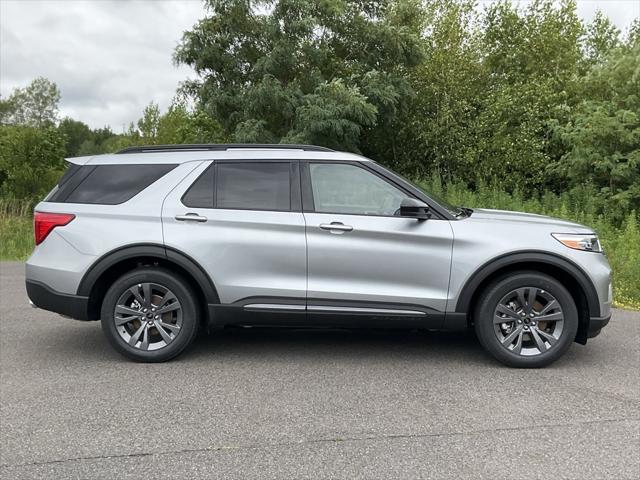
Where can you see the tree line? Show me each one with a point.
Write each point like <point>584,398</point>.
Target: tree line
<point>529,100</point>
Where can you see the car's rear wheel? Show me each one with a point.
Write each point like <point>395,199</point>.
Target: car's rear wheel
<point>526,319</point>
<point>150,315</point>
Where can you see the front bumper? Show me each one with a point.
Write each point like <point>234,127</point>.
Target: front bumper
<point>44,297</point>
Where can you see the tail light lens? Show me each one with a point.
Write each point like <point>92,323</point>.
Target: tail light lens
<point>44,222</point>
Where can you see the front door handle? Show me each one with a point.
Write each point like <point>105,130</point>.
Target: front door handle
<point>336,226</point>
<point>191,217</point>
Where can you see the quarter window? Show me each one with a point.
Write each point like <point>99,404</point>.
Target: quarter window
<point>200,193</point>
<point>254,186</point>
<point>107,184</point>
<point>348,189</point>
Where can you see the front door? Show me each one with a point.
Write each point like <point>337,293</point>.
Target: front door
<point>364,258</point>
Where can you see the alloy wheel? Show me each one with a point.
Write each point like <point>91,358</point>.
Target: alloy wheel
<point>148,316</point>
<point>528,321</point>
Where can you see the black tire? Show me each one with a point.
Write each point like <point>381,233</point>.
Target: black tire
<point>503,286</point>
<point>189,314</point>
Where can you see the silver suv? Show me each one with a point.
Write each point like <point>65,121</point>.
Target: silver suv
<point>160,241</point>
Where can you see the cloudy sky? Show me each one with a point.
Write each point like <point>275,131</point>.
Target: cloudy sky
<point>110,58</point>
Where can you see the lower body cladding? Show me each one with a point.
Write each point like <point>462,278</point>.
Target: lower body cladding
<point>323,313</point>
<point>326,314</point>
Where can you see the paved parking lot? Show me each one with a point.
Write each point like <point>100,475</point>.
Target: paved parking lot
<point>300,404</point>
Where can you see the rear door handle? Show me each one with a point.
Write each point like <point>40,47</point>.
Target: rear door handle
<point>336,226</point>
<point>191,217</point>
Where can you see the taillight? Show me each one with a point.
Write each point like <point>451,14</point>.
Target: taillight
<point>44,222</point>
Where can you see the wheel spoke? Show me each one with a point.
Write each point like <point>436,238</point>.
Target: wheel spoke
<point>167,297</point>
<point>127,311</point>
<point>512,336</point>
<point>172,328</point>
<point>507,311</point>
<point>163,333</point>
<point>517,348</point>
<point>136,293</point>
<point>134,338</point>
<point>169,308</point>
<point>547,336</point>
<point>532,293</point>
<point>146,293</point>
<point>552,317</point>
<point>145,338</point>
<point>124,320</point>
<point>539,341</point>
<point>549,306</point>
<point>521,299</point>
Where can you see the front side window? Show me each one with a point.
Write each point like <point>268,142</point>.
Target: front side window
<point>254,186</point>
<point>349,189</point>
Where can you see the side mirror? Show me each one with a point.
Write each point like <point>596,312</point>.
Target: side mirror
<point>410,207</point>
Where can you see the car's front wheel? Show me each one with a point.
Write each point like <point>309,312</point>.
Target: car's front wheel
<point>526,319</point>
<point>150,315</point>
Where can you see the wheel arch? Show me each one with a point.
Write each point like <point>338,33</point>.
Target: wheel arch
<point>115,263</point>
<point>562,269</point>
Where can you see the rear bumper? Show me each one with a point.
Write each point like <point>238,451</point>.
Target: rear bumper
<point>44,297</point>
<point>596,324</point>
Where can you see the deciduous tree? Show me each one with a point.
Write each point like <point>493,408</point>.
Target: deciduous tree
<point>304,70</point>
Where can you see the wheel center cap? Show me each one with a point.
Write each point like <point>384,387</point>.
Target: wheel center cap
<point>149,316</point>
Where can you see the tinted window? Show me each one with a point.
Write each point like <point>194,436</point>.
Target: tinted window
<point>200,193</point>
<point>111,184</point>
<point>73,177</point>
<point>348,189</point>
<point>253,186</point>
<point>72,169</point>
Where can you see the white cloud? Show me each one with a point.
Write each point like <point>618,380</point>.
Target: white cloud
<point>110,58</point>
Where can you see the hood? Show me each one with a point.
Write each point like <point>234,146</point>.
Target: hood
<point>507,216</point>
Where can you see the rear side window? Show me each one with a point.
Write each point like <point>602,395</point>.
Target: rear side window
<point>200,193</point>
<point>254,186</point>
<point>108,184</point>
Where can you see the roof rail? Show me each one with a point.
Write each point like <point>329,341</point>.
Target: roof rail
<point>220,147</point>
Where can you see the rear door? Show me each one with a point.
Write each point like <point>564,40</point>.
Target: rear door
<point>241,220</point>
<point>362,256</point>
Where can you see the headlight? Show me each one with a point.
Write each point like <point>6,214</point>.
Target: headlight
<point>587,242</point>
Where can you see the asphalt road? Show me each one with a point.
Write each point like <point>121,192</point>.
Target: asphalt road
<point>300,404</point>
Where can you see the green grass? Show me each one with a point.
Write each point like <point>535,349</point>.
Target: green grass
<point>16,229</point>
<point>16,237</point>
<point>621,240</point>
